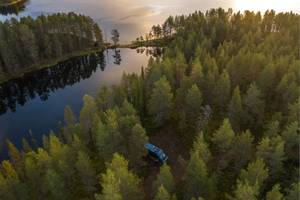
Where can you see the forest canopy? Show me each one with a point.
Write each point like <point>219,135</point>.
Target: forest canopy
<point>31,42</point>
<point>227,86</point>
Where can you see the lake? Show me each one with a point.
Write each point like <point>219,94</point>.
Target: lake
<point>33,105</point>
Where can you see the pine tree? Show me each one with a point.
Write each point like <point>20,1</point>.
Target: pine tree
<point>242,150</point>
<point>222,91</point>
<point>223,137</point>
<point>235,110</point>
<point>245,191</point>
<point>160,102</point>
<point>86,172</point>
<point>104,99</point>
<point>272,152</point>
<point>15,156</point>
<point>197,182</point>
<point>272,129</point>
<point>165,180</point>
<point>136,149</point>
<point>201,147</point>
<point>290,136</point>
<point>275,193</point>
<point>70,124</point>
<point>69,116</point>
<point>86,117</point>
<point>193,103</point>
<point>293,192</point>
<point>111,187</point>
<point>162,194</point>
<point>254,108</point>
<point>113,142</point>
<point>197,73</point>
<point>128,182</point>
<point>55,185</point>
<point>255,175</point>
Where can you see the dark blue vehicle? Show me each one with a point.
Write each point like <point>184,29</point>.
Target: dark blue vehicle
<point>156,153</point>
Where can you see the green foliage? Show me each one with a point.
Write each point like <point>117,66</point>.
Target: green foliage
<point>162,194</point>
<point>197,180</point>
<point>232,77</point>
<point>293,192</point>
<point>244,191</point>
<point>272,152</point>
<point>55,185</point>
<point>86,172</point>
<point>111,188</point>
<point>161,101</point>
<point>291,138</point>
<point>255,174</point>
<point>28,42</point>
<point>253,107</point>
<point>127,183</point>
<point>275,194</point>
<point>164,179</point>
<point>86,117</point>
<point>223,137</point>
<point>201,147</point>
<point>235,109</point>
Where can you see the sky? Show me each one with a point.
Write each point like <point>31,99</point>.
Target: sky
<point>135,17</point>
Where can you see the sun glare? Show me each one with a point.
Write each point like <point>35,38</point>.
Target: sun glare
<point>263,5</point>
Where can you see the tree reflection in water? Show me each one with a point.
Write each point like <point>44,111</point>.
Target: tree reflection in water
<point>41,83</point>
<point>153,51</point>
<point>117,57</point>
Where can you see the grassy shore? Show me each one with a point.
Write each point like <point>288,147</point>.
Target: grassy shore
<point>48,63</point>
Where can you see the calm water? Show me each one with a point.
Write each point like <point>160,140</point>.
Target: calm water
<point>34,105</point>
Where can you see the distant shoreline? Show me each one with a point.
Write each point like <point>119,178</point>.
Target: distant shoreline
<point>12,3</point>
<point>51,62</point>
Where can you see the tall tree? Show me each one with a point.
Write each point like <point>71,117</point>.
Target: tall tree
<point>128,182</point>
<point>111,188</point>
<point>275,193</point>
<point>161,101</point>
<point>86,172</point>
<point>115,36</point>
<point>164,179</point>
<point>223,137</point>
<point>254,108</point>
<point>235,110</point>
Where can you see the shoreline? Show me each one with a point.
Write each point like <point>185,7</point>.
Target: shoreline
<point>12,3</point>
<point>49,63</point>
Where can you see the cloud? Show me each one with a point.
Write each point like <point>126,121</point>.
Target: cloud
<point>142,11</point>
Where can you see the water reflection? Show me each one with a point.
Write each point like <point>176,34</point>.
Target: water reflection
<point>13,9</point>
<point>117,57</point>
<point>43,82</point>
<point>155,51</point>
